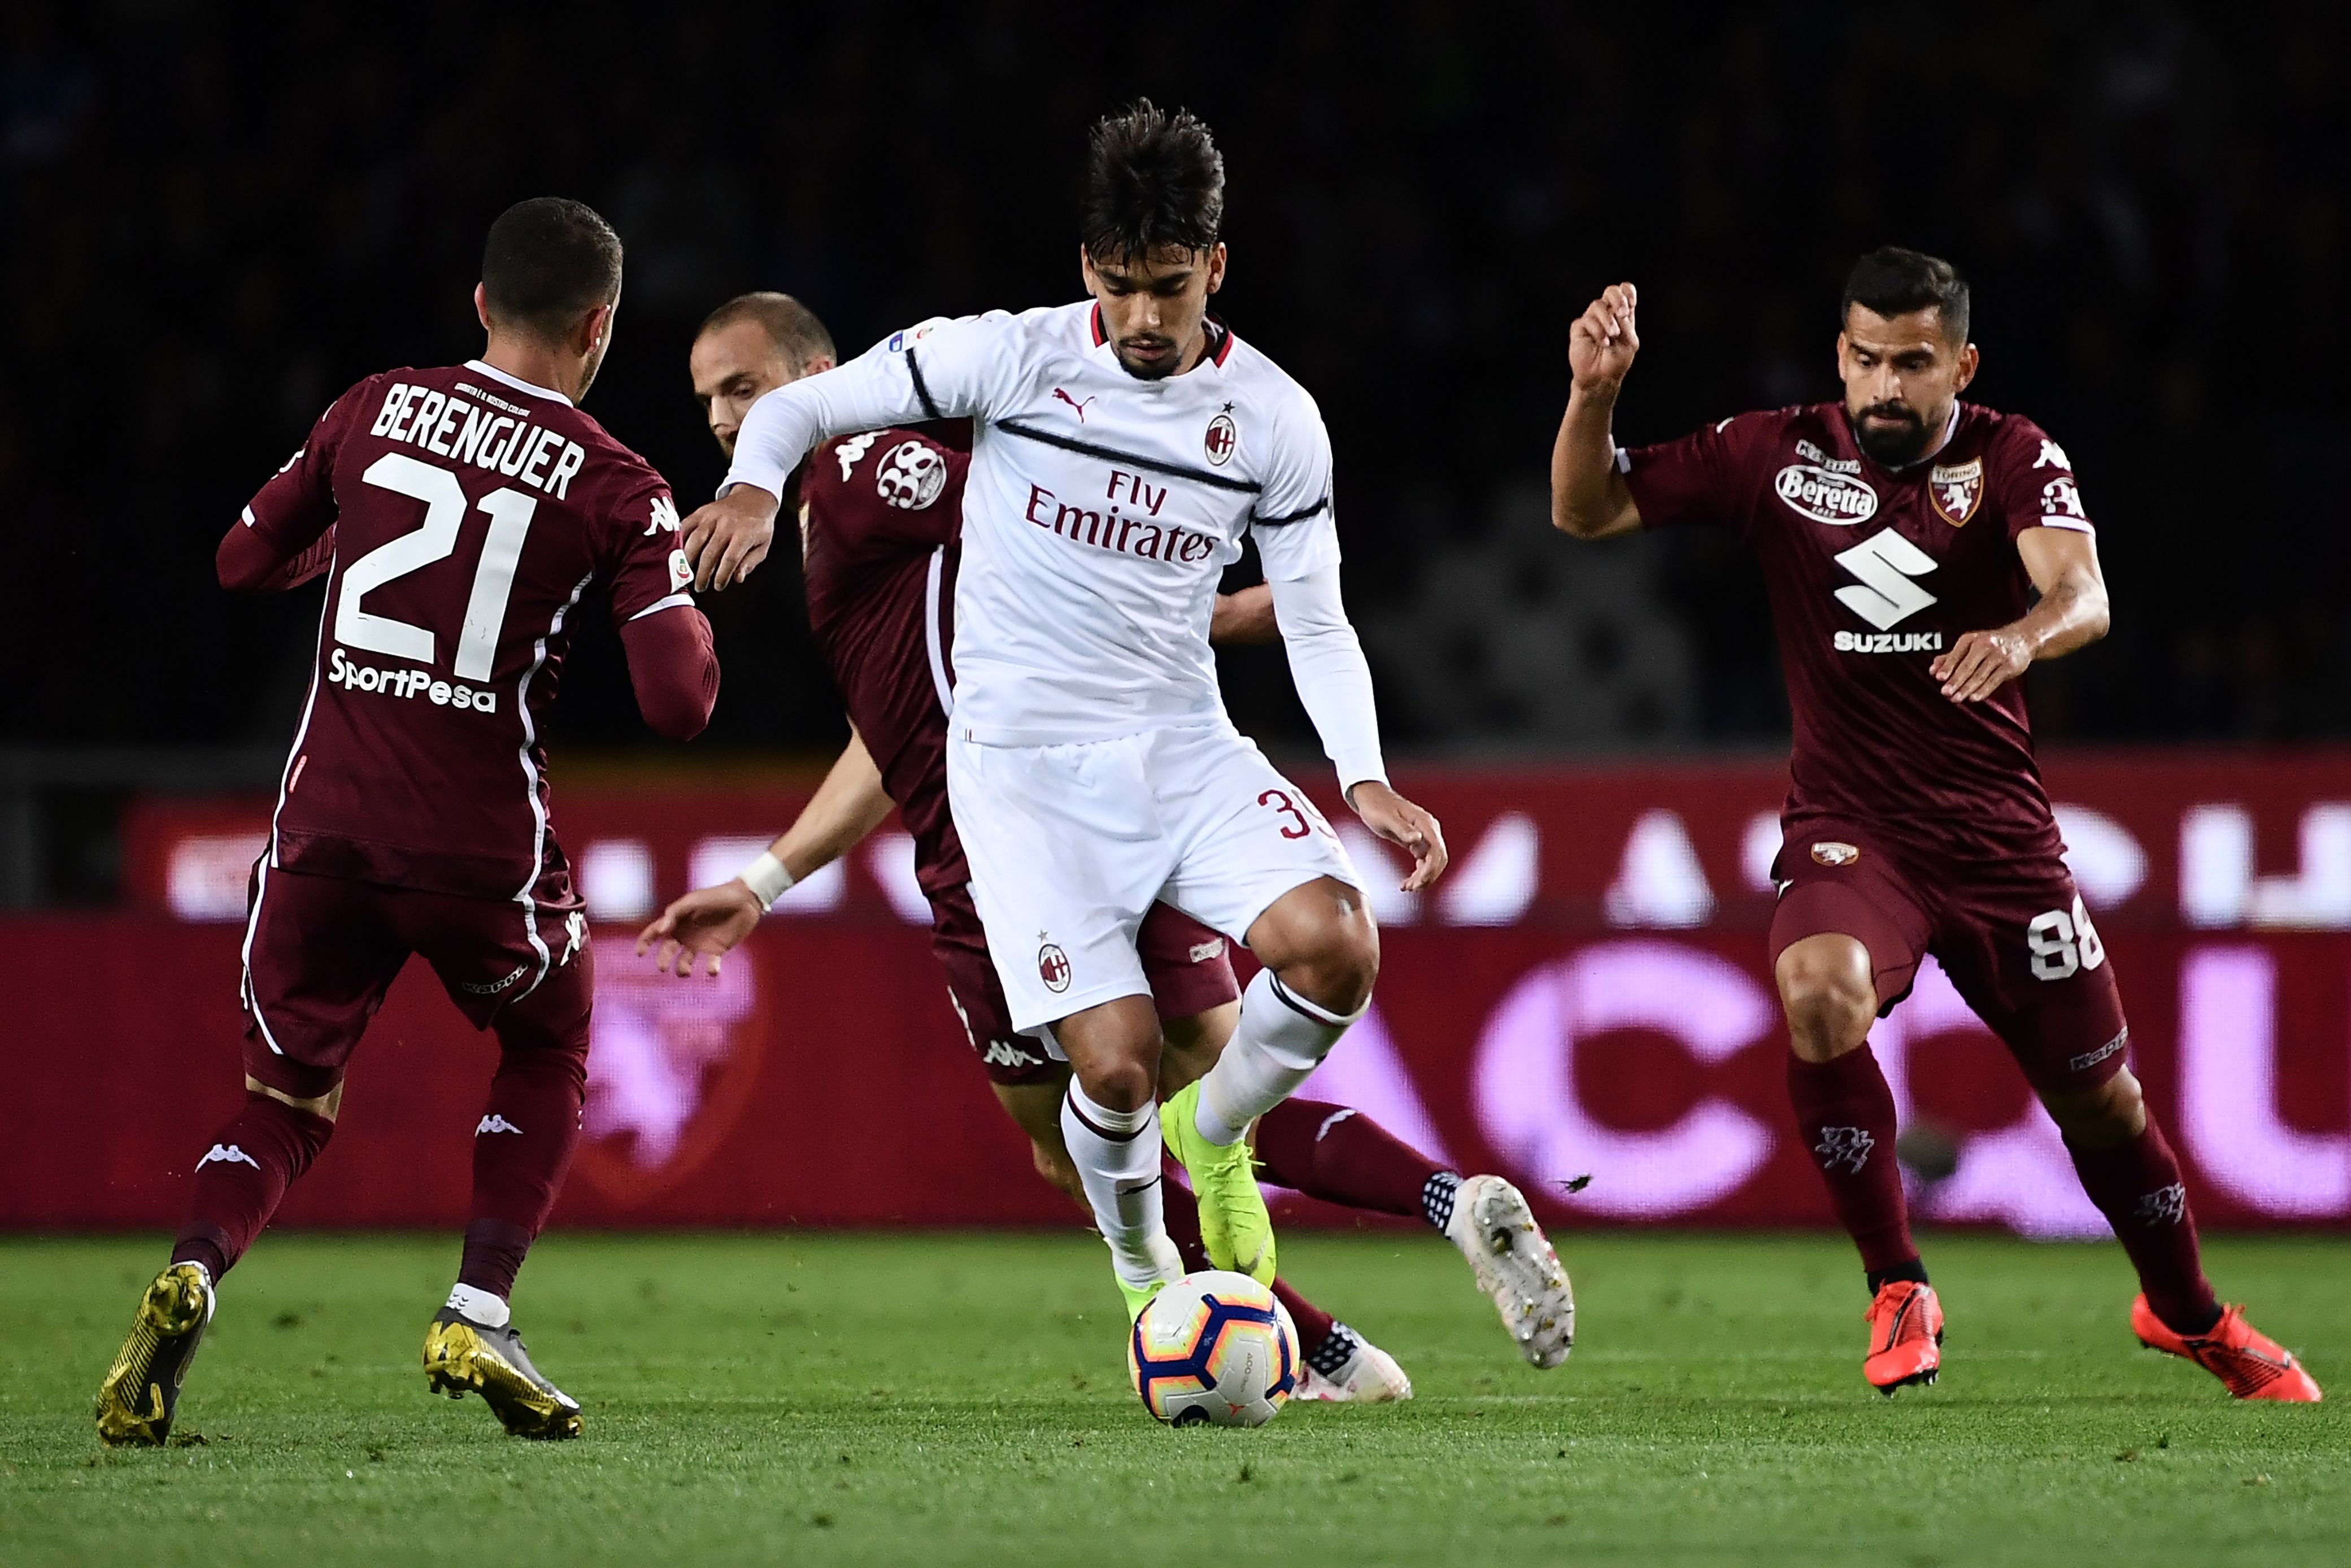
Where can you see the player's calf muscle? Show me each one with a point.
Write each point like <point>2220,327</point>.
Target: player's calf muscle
<point>1829,994</point>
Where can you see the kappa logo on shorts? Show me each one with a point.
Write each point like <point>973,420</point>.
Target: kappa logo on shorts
<point>228,1155</point>
<point>1011,1053</point>
<point>2090,1058</point>
<point>1053,968</point>
<point>494,1123</point>
<point>1208,952</point>
<point>492,988</point>
<point>1836,852</point>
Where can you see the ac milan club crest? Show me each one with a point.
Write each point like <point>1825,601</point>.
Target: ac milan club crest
<point>1955,490</point>
<point>1831,852</point>
<point>1223,436</point>
<point>1053,968</point>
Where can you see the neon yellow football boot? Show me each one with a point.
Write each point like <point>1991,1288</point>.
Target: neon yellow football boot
<point>1234,1226</point>
<point>1139,1296</point>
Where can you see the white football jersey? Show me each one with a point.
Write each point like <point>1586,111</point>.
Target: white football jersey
<point>1100,510</point>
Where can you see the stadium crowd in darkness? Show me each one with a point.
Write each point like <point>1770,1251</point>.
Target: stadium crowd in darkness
<point>215,219</point>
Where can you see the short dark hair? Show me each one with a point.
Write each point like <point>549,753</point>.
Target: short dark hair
<point>1155,181</point>
<point>547,261</point>
<point>1893,281</point>
<point>790,326</point>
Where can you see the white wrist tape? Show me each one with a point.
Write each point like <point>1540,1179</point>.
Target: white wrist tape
<point>767,879</point>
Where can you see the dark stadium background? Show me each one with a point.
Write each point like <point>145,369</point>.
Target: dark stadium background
<point>216,219</point>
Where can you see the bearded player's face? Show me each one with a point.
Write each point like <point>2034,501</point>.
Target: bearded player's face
<point>1153,306</point>
<point>1901,377</point>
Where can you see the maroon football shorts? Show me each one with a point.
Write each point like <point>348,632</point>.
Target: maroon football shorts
<point>2012,934</point>
<point>1189,966</point>
<point>321,951</point>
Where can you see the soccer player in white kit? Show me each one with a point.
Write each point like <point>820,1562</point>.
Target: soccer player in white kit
<point>1124,448</point>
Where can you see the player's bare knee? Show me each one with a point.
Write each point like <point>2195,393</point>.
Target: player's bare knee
<point>1122,1083</point>
<point>2104,1117</point>
<point>1332,957</point>
<point>1829,994</point>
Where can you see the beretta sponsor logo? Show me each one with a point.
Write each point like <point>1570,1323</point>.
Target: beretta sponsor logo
<point>1823,496</point>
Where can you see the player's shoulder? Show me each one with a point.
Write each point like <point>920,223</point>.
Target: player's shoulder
<point>2000,436</point>
<point>1265,391</point>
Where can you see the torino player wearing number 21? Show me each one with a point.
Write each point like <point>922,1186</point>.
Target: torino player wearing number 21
<point>1922,553</point>
<point>460,513</point>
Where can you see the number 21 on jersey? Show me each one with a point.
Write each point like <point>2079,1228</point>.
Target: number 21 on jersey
<point>445,509</point>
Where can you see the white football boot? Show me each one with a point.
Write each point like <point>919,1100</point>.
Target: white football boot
<point>1514,1265</point>
<point>1369,1377</point>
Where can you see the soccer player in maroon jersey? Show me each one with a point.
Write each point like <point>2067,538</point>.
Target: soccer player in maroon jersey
<point>465,510</point>
<point>881,525</point>
<point>1921,554</point>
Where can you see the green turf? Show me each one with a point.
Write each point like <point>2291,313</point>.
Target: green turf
<point>949,1399</point>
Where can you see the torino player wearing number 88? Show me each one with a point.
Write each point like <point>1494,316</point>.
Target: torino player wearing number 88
<point>460,513</point>
<point>1903,536</point>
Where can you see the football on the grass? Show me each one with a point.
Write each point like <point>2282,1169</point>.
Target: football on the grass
<point>1214,1348</point>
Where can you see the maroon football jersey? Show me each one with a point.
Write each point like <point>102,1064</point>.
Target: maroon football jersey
<point>471,512</point>
<point>1872,571</point>
<point>881,535</point>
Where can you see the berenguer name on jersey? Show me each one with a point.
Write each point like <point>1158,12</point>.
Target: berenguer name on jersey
<point>479,433</point>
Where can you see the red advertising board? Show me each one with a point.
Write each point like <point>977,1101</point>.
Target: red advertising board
<point>1586,995</point>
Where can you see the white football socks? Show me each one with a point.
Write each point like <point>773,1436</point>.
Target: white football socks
<point>1117,1156</point>
<point>1281,1038</point>
<point>480,1306</point>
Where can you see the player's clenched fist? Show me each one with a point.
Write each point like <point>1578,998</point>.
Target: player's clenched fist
<point>709,922</point>
<point>1401,822</point>
<point>725,539</point>
<point>1602,343</point>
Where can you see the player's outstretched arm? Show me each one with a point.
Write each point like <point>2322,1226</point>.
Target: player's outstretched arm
<point>710,922</point>
<point>2071,613</point>
<point>1588,498</point>
<point>942,376</point>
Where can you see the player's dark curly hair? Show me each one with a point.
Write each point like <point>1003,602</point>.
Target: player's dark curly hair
<point>1155,181</point>
<point>547,261</point>
<point>1893,281</point>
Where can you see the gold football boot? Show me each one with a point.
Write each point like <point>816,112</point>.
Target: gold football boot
<point>141,1390</point>
<point>460,1354</point>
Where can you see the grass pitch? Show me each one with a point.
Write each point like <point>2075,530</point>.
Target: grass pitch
<point>814,1399</point>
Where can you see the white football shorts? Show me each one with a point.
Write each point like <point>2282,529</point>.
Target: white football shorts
<point>1069,845</point>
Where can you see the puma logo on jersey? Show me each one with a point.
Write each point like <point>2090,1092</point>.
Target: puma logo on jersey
<point>1074,404</point>
<point>494,1123</point>
<point>227,1154</point>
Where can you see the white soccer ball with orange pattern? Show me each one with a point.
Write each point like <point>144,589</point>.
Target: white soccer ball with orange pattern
<point>1214,1348</point>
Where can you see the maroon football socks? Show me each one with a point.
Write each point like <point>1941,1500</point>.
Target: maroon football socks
<point>242,1178</point>
<point>1342,1156</point>
<point>522,1146</point>
<point>1844,1119</point>
<point>2136,1187</point>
